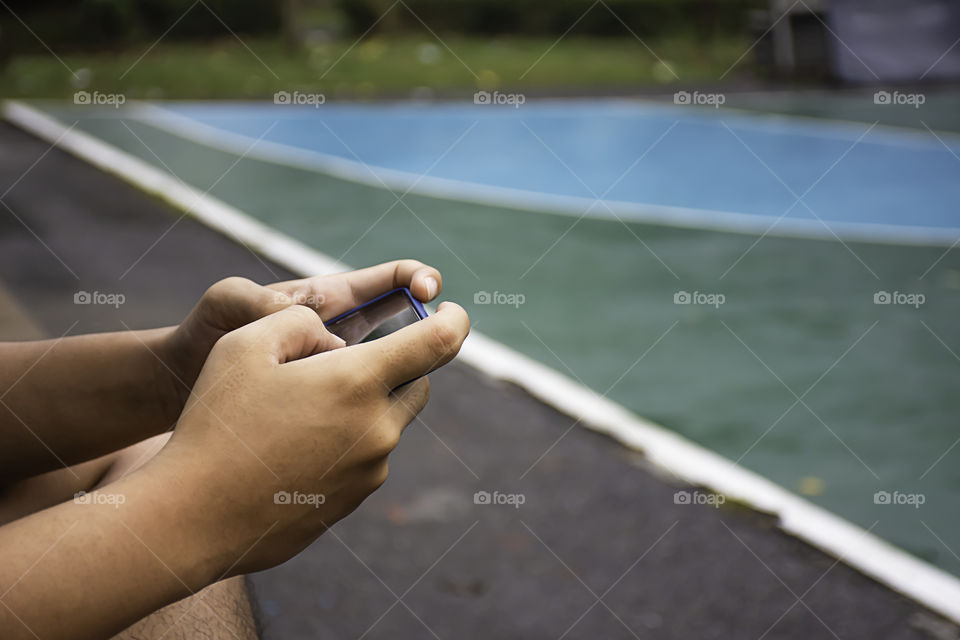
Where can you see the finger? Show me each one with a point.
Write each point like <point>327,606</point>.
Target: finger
<point>234,302</point>
<point>332,295</point>
<point>414,350</point>
<point>425,284</point>
<point>408,401</point>
<point>308,292</point>
<point>422,280</point>
<point>289,334</point>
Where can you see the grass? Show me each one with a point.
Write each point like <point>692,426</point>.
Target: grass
<point>377,67</point>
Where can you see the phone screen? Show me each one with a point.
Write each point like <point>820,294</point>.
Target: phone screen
<point>375,319</point>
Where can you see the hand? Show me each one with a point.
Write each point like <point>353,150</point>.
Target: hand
<point>235,302</point>
<point>280,407</point>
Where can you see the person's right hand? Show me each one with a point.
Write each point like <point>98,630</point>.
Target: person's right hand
<point>287,431</point>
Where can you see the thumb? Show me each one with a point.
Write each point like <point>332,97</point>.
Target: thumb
<point>234,302</point>
<point>289,334</point>
<point>416,349</point>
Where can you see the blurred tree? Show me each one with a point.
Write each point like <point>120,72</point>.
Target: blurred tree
<point>110,24</point>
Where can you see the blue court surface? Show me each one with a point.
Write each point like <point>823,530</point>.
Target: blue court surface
<point>780,290</point>
<point>849,175</point>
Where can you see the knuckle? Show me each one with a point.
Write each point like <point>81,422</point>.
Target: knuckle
<point>305,292</point>
<point>444,341</point>
<point>303,314</point>
<point>404,265</point>
<point>411,263</point>
<point>228,286</point>
<point>383,440</point>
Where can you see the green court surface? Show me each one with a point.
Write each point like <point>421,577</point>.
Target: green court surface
<point>798,376</point>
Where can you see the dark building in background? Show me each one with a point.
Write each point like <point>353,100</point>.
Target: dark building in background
<point>860,41</point>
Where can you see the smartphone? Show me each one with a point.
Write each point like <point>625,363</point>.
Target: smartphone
<point>379,317</point>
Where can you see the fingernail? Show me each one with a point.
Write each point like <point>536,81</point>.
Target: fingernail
<point>432,287</point>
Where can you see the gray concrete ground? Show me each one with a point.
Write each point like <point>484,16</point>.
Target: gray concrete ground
<point>599,547</point>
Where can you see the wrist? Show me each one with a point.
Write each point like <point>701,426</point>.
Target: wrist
<point>180,522</point>
<point>173,371</point>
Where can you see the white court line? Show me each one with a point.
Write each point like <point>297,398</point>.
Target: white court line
<point>510,198</point>
<point>928,585</point>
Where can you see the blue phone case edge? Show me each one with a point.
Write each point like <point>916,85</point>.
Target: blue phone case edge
<point>417,306</point>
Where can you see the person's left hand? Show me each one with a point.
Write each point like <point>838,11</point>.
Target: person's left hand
<point>235,302</point>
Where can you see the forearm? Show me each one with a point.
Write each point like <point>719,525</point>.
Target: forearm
<point>90,570</point>
<point>70,400</point>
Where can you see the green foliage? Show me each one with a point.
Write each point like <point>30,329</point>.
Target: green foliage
<point>379,67</point>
